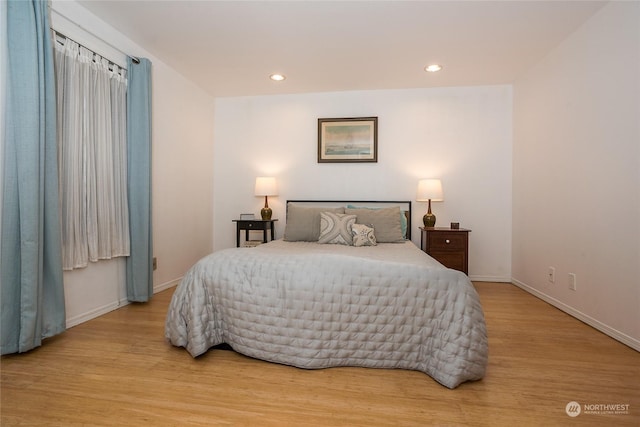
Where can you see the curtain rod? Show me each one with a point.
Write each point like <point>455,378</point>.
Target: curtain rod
<point>135,59</point>
<point>112,63</point>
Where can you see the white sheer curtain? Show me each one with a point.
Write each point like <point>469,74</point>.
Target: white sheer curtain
<point>92,155</point>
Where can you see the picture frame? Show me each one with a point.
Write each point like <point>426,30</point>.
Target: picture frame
<point>348,140</point>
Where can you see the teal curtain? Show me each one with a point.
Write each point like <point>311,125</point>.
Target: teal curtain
<point>31,291</point>
<point>140,260</point>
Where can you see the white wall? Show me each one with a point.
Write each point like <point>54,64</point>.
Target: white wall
<point>182,176</point>
<point>3,76</point>
<point>461,135</point>
<point>576,180</point>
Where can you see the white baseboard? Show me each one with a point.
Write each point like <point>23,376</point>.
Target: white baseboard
<point>166,285</point>
<point>605,329</point>
<point>97,312</point>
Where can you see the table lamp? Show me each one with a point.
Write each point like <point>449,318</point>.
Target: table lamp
<point>266,186</point>
<point>429,190</point>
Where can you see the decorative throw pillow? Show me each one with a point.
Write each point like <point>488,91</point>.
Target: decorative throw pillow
<point>335,228</point>
<point>363,235</point>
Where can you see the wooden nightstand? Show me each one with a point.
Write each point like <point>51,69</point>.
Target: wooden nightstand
<point>450,247</point>
<point>254,224</point>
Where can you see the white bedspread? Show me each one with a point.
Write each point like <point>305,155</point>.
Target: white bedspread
<point>316,306</point>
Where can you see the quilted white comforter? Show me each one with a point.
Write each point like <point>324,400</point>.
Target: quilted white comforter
<point>317,306</point>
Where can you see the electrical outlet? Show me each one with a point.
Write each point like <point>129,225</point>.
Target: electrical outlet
<point>572,281</point>
<point>552,275</point>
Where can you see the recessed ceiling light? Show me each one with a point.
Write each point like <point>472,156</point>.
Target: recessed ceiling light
<point>277,77</point>
<point>433,68</point>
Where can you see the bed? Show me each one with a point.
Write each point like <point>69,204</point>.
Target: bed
<point>317,299</point>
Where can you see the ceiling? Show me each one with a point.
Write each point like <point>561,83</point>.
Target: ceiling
<point>229,48</point>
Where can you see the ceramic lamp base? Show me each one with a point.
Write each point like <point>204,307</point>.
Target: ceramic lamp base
<point>266,213</point>
<point>429,220</point>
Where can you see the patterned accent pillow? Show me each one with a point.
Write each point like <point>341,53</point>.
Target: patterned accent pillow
<point>335,228</point>
<point>363,235</point>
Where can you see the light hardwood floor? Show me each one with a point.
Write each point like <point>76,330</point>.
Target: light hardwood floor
<point>118,370</point>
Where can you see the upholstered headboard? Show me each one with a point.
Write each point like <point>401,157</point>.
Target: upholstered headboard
<point>405,206</point>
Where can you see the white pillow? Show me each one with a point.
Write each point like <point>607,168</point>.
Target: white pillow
<point>335,228</point>
<point>363,235</point>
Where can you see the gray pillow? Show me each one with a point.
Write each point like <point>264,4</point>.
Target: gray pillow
<point>385,222</point>
<point>303,222</point>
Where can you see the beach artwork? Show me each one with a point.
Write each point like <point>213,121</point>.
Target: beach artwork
<point>347,140</point>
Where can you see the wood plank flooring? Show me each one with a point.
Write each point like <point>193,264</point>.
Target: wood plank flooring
<point>117,370</point>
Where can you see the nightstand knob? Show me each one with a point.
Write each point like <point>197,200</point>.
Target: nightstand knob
<point>447,241</point>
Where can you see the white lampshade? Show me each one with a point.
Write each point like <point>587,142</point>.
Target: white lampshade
<point>266,186</point>
<point>430,189</point>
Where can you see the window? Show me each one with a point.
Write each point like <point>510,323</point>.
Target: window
<point>92,154</point>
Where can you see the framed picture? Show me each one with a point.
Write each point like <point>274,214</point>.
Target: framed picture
<point>350,140</point>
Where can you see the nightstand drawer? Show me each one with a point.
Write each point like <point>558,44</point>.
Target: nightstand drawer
<point>455,260</point>
<point>448,246</point>
<point>256,225</point>
<point>443,241</point>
